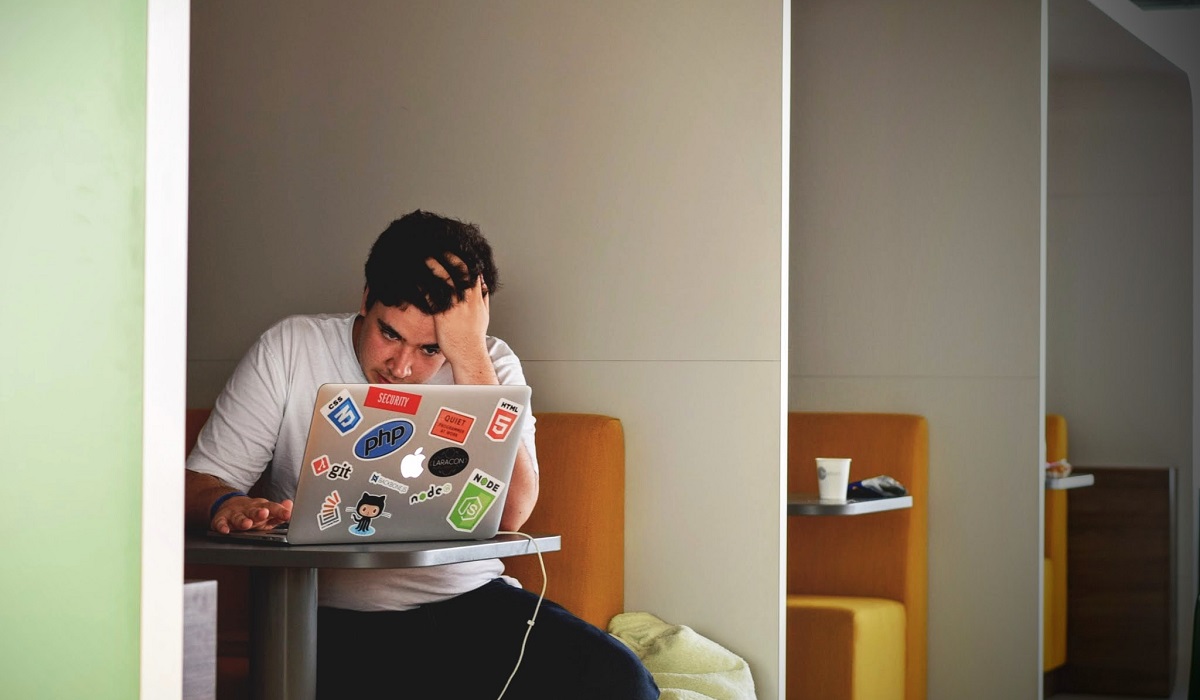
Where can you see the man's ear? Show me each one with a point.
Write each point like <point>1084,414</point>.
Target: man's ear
<point>362,310</point>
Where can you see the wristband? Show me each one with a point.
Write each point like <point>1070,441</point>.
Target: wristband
<point>212,512</point>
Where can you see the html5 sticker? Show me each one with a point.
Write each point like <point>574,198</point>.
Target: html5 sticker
<point>452,425</point>
<point>503,419</point>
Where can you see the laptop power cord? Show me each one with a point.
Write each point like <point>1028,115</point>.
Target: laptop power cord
<point>536,608</point>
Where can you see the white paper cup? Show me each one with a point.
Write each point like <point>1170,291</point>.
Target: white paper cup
<point>833,478</point>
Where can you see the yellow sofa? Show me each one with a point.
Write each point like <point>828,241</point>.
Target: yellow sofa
<point>1054,601</point>
<point>858,585</point>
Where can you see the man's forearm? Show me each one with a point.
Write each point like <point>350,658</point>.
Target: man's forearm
<point>522,492</point>
<point>200,492</point>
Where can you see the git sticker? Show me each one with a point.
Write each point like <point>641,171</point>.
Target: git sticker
<point>503,419</point>
<point>330,515</point>
<point>321,465</point>
<point>452,425</point>
<point>474,501</point>
<point>341,413</point>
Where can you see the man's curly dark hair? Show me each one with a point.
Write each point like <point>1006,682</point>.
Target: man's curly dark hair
<point>396,269</point>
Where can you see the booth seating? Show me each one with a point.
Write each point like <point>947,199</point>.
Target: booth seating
<point>1054,576</point>
<point>858,585</point>
<point>582,498</point>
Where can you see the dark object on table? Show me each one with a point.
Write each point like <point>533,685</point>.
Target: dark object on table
<point>876,487</point>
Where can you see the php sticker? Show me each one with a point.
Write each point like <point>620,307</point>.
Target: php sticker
<point>474,501</point>
<point>452,425</point>
<point>377,478</point>
<point>341,413</point>
<point>330,515</point>
<point>448,462</point>
<point>320,465</point>
<point>430,493</point>
<point>503,419</point>
<point>392,400</point>
<point>383,439</point>
<point>369,507</point>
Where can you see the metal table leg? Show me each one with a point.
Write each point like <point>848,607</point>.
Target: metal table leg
<point>283,633</point>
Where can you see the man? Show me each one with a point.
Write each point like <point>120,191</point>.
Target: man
<point>449,631</point>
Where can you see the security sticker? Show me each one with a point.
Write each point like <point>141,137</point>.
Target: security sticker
<point>341,412</point>
<point>341,471</point>
<point>452,425</point>
<point>320,465</point>
<point>503,419</point>
<point>330,515</point>
<point>369,507</point>
<point>381,440</point>
<point>448,462</point>
<point>392,400</point>
<point>474,501</point>
<point>433,491</point>
<point>398,487</point>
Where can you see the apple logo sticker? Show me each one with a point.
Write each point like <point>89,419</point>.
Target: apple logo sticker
<point>410,466</point>
<point>448,462</point>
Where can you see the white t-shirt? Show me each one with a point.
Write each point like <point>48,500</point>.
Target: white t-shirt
<point>260,422</point>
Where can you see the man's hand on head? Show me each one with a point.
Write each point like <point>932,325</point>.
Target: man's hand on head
<point>462,328</point>
<point>246,513</point>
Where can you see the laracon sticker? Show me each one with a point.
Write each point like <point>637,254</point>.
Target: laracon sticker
<point>503,419</point>
<point>430,493</point>
<point>398,487</point>
<point>341,413</point>
<point>369,507</point>
<point>452,425</point>
<point>391,400</point>
<point>320,465</point>
<point>448,462</point>
<point>383,439</point>
<point>330,514</point>
<point>474,501</point>
<point>341,471</point>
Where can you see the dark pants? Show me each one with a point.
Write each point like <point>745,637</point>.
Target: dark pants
<point>465,648</point>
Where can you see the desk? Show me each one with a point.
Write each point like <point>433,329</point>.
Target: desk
<point>1075,481</point>
<point>808,504</point>
<point>283,592</point>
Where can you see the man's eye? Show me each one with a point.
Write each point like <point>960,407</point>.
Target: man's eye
<point>431,350</point>
<point>389,334</point>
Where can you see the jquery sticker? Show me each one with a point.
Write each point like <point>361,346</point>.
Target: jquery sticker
<point>341,412</point>
<point>503,419</point>
<point>330,514</point>
<point>448,462</point>
<point>452,425</point>
<point>474,501</point>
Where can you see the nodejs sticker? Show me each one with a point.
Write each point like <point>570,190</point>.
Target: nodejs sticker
<point>452,425</point>
<point>369,507</point>
<point>448,462</point>
<point>341,412</point>
<point>430,493</point>
<point>503,419</point>
<point>474,501</point>
<point>381,440</point>
<point>377,478</point>
<point>391,400</point>
<point>330,515</point>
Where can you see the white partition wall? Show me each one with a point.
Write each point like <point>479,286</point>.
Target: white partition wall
<point>624,158</point>
<point>915,287</point>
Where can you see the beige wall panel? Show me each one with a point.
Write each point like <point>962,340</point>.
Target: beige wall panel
<point>702,491</point>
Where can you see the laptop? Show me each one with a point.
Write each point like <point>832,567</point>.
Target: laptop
<point>398,463</point>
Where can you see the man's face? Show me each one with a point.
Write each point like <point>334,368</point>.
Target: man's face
<point>396,345</point>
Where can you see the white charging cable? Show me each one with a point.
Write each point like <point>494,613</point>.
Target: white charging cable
<point>541,597</point>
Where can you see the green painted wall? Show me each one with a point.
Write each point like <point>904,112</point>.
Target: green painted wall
<point>72,198</point>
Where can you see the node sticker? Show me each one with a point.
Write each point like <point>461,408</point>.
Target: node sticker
<point>377,478</point>
<point>503,419</point>
<point>452,425</point>
<point>391,400</point>
<point>430,493</point>
<point>474,501</point>
<point>320,465</point>
<point>330,515</point>
<point>369,507</point>
<point>341,413</point>
<point>448,462</point>
<point>383,439</point>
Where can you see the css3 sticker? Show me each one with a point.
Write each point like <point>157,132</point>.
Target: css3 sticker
<point>341,413</point>
<point>474,501</point>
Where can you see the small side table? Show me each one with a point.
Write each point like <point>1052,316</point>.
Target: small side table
<point>808,504</point>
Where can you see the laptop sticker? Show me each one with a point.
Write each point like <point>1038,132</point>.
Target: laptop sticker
<point>369,507</point>
<point>341,412</point>
<point>391,400</point>
<point>398,487</point>
<point>448,461</point>
<point>430,493</point>
<point>330,515</point>
<point>341,471</point>
<point>320,465</point>
<point>452,425</point>
<point>474,501</point>
<point>503,419</point>
<point>411,466</point>
<point>383,439</point>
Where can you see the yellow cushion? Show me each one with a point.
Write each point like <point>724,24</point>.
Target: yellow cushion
<point>845,648</point>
